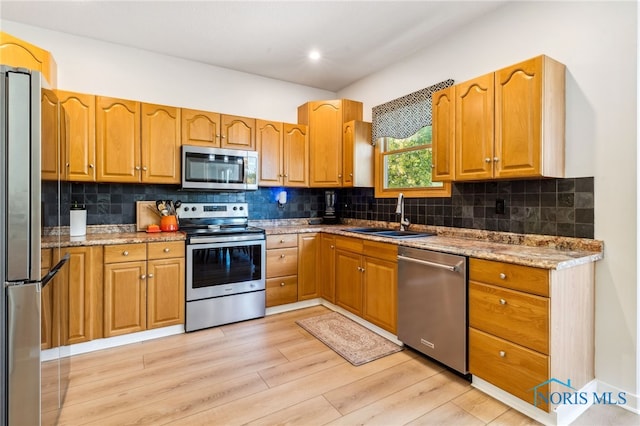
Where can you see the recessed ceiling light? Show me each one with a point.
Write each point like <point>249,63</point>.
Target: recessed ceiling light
<point>314,55</point>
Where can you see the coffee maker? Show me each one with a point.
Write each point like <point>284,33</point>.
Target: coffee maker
<point>330,207</point>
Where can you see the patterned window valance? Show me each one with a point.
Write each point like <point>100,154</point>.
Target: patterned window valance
<point>402,117</point>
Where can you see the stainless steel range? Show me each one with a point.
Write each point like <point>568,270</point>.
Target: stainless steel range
<point>225,264</point>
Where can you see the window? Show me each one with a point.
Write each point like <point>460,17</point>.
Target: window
<point>401,130</point>
<point>404,165</point>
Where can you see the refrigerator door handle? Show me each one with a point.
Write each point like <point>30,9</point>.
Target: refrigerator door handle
<point>53,271</point>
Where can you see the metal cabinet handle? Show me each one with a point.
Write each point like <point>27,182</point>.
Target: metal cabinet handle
<point>282,256</point>
<point>137,167</point>
<point>125,253</point>
<point>503,276</point>
<point>487,160</point>
<point>359,268</point>
<point>281,284</point>
<point>67,164</point>
<point>91,166</point>
<point>149,275</point>
<point>281,241</point>
<point>143,276</point>
<point>502,354</point>
<point>503,302</point>
<point>166,250</point>
<point>433,166</point>
<point>495,159</point>
<point>362,270</point>
<point>340,176</point>
<point>144,168</point>
<point>350,174</point>
<point>332,246</point>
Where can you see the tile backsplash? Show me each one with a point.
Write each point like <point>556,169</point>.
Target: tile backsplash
<point>563,207</point>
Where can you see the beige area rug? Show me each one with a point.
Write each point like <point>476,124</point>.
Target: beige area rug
<point>353,342</point>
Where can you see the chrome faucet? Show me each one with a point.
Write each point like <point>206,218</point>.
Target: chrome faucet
<point>404,222</point>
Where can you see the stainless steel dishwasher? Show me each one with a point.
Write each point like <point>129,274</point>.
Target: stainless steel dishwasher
<point>432,305</point>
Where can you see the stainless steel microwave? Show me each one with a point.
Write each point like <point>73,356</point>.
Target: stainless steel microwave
<point>219,169</point>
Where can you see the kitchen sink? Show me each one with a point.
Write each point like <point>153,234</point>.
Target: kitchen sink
<point>390,233</point>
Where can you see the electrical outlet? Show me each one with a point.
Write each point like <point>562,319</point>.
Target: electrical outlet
<point>499,206</point>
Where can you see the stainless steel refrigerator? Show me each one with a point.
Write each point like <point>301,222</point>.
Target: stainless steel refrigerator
<point>20,236</point>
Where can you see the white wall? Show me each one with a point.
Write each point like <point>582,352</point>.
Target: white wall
<point>91,66</point>
<point>597,43</point>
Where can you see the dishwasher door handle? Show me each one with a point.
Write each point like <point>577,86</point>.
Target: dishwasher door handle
<point>454,268</point>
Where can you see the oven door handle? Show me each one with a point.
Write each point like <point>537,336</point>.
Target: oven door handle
<point>228,239</point>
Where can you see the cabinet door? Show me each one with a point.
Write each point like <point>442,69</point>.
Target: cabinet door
<point>160,144</point>
<point>325,144</point>
<point>518,117</point>
<point>474,129</point>
<point>295,148</point>
<point>380,293</point>
<point>50,153</point>
<point>349,281</point>
<point>18,53</point>
<point>308,259</point>
<point>78,112</point>
<point>238,132</point>
<point>327,269</point>
<point>77,296</point>
<point>125,298</point>
<point>200,128</point>
<point>443,132</point>
<point>165,292</point>
<point>118,140</point>
<point>269,145</point>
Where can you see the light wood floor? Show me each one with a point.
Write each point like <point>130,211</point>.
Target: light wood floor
<point>264,372</point>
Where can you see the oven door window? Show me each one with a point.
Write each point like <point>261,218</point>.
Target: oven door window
<point>214,168</point>
<point>213,266</point>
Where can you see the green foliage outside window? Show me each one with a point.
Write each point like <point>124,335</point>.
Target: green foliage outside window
<point>408,161</point>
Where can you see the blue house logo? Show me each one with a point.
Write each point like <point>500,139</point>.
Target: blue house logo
<point>546,397</point>
<point>571,396</point>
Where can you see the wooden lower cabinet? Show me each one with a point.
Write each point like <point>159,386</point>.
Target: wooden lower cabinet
<point>530,325</point>
<point>327,268</point>
<point>282,269</point>
<point>366,280</point>
<point>140,294</point>
<point>308,265</point>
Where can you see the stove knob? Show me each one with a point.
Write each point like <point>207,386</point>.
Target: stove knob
<point>235,208</point>
<point>241,208</point>
<point>186,209</point>
<point>193,209</point>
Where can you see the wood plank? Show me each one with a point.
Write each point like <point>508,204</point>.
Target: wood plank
<point>480,405</point>
<point>299,368</point>
<point>447,414</point>
<point>316,411</point>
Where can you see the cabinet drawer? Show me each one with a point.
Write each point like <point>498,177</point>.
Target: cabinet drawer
<point>516,277</point>
<point>282,290</point>
<point>125,253</point>
<point>512,315</point>
<point>351,244</point>
<point>381,250</point>
<point>165,249</point>
<point>282,241</point>
<point>282,262</point>
<point>511,367</point>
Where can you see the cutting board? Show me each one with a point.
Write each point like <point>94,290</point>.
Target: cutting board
<point>144,216</point>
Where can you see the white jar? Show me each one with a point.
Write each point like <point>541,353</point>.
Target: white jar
<point>77,221</point>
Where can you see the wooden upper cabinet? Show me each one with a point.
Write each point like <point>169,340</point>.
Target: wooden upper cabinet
<point>118,140</point>
<point>50,156</point>
<point>474,129</point>
<point>78,140</point>
<point>269,145</point>
<point>530,119</point>
<point>325,120</point>
<point>357,155</point>
<point>160,148</point>
<point>295,155</point>
<point>443,136</point>
<point>18,53</point>
<point>200,128</point>
<point>238,132</point>
<point>510,123</point>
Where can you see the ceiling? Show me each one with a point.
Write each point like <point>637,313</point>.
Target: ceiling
<point>267,38</point>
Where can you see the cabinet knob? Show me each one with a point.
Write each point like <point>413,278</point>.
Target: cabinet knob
<point>502,354</point>
<point>503,302</point>
<point>281,241</point>
<point>67,164</point>
<point>149,275</point>
<point>91,166</point>
<point>362,270</point>
<point>359,268</point>
<point>222,136</point>
<point>286,175</point>
<point>332,246</point>
<point>143,276</point>
<point>281,284</point>
<point>487,160</point>
<point>137,167</point>
<point>503,276</point>
<point>495,159</point>
<point>340,176</point>
<point>125,253</point>
<point>433,166</point>
<point>166,250</point>
<point>144,168</point>
<point>282,256</point>
<point>350,174</point>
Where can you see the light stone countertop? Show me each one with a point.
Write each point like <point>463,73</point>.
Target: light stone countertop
<point>540,251</point>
